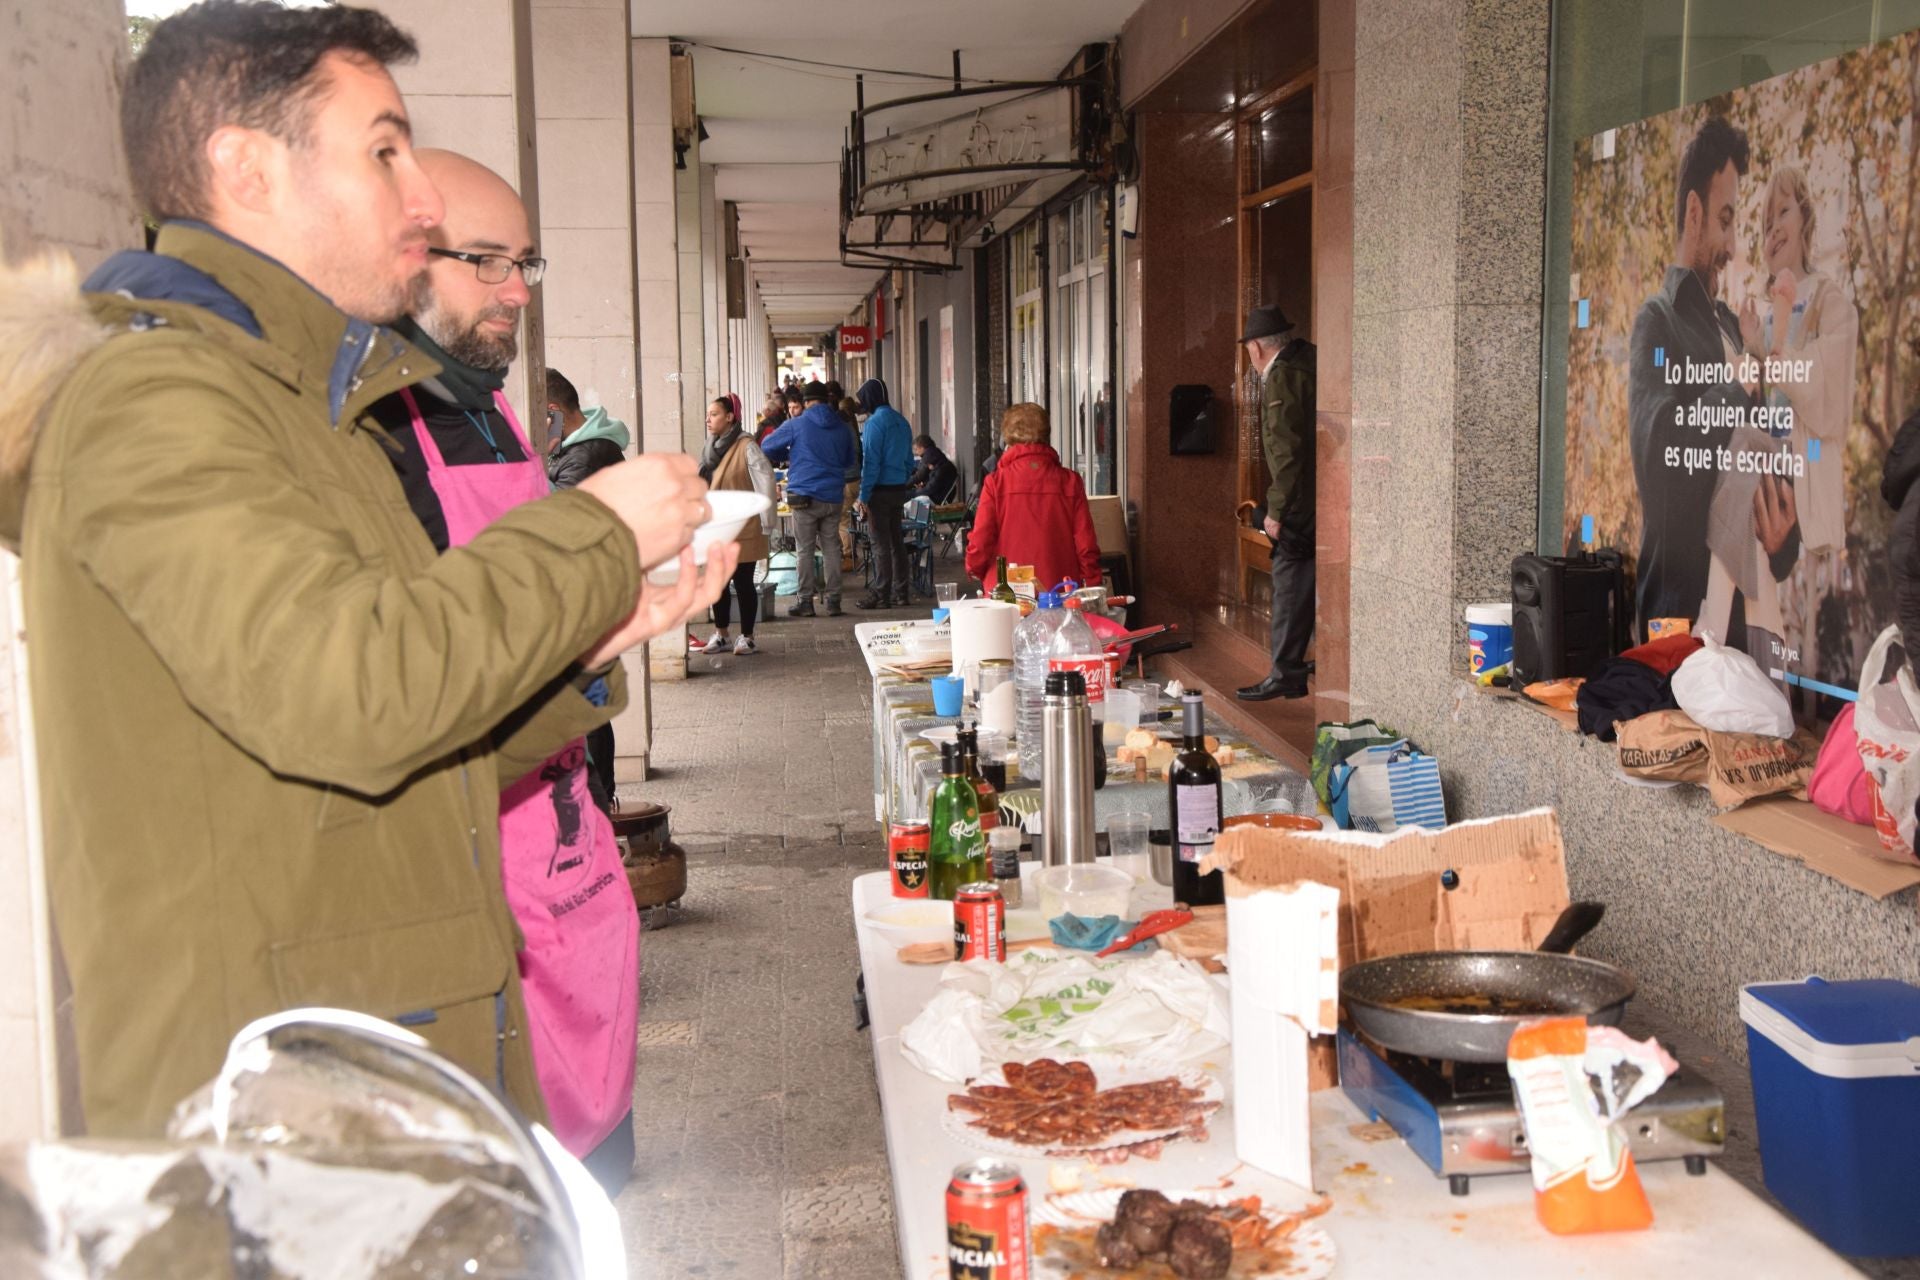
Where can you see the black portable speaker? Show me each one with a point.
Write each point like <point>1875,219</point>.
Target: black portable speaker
<point>1569,612</point>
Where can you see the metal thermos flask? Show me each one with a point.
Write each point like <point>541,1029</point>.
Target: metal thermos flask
<point>1066,782</point>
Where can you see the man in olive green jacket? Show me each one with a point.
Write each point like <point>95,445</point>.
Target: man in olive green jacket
<point>1286,369</point>
<point>273,725</point>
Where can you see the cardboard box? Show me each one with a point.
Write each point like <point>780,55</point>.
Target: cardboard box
<point>1494,884</point>
<point>1509,881</point>
<point>1509,887</point>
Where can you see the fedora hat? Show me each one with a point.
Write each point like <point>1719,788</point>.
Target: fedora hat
<point>1265,322</point>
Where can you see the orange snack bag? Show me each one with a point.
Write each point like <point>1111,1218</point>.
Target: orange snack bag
<point>1564,1077</point>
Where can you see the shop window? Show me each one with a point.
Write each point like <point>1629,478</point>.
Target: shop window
<point>1821,93</point>
<point>1027,355</point>
<point>1084,430</point>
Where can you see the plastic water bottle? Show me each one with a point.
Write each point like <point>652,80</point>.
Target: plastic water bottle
<point>1050,631</point>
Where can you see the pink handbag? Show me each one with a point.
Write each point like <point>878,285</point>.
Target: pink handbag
<point>1840,783</point>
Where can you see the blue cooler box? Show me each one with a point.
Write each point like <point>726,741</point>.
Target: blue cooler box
<point>1836,1086</point>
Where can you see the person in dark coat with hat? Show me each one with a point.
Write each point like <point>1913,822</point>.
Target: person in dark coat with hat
<point>1285,366</point>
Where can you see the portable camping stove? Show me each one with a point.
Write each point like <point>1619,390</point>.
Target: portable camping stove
<point>1461,1118</point>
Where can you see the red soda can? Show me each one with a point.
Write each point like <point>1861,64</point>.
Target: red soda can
<point>907,857</point>
<point>979,922</point>
<point>987,1222</point>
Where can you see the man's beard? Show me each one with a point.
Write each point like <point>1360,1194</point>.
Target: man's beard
<point>464,341</point>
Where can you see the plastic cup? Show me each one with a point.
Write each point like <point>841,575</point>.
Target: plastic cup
<point>1127,838</point>
<point>1123,714</point>
<point>946,695</point>
<point>940,615</point>
<point>1127,833</point>
<point>946,592</point>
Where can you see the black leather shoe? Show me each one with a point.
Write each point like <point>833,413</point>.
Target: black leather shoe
<point>872,602</point>
<point>802,610</point>
<point>834,610</point>
<point>1272,687</point>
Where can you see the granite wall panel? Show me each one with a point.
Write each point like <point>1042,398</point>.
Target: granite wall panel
<point>1449,117</point>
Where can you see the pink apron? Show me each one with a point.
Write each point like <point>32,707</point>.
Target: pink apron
<point>560,866</point>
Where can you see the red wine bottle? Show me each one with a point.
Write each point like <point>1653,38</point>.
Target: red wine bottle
<point>1195,808</point>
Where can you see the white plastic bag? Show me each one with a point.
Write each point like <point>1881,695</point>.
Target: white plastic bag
<point>1884,719</point>
<point>1163,1008</point>
<point>1725,690</point>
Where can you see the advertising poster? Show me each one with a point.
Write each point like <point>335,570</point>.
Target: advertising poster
<point>1744,347</point>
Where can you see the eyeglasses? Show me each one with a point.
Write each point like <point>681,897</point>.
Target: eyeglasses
<point>494,268</point>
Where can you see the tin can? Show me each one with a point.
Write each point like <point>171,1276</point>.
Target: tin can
<point>979,922</point>
<point>987,1222</point>
<point>907,857</point>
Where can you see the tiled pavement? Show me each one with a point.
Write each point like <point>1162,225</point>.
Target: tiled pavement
<point>760,1147</point>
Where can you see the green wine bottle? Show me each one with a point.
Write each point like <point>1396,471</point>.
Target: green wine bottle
<point>957,847</point>
<point>1003,590</point>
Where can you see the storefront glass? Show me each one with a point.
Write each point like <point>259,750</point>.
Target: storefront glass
<point>1620,61</point>
<point>1027,354</point>
<point>1082,387</point>
<point>1732,306</point>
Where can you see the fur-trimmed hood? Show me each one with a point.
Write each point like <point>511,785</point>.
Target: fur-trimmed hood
<point>46,329</point>
<point>198,281</point>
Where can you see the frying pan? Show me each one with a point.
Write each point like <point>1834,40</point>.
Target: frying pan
<point>1428,1003</point>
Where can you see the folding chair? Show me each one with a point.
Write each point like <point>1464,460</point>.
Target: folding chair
<point>917,531</point>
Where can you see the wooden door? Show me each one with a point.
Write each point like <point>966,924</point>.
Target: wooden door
<point>1273,149</point>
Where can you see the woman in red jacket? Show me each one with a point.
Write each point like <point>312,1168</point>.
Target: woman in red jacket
<point>1032,509</point>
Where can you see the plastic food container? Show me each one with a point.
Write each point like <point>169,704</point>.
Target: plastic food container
<point>1086,889</point>
<point>1836,1089</point>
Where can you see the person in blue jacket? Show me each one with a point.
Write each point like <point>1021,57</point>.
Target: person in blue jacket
<point>818,449</point>
<point>887,443</point>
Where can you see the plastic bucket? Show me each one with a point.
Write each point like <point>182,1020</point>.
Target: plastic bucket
<point>1489,640</point>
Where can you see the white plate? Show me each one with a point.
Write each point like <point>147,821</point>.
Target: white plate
<point>1109,1072</point>
<point>1313,1249</point>
<point>942,734</point>
<point>913,920</point>
<point>732,508</point>
<point>1024,923</point>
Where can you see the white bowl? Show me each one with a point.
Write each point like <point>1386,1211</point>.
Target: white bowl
<point>732,508</point>
<point>913,920</point>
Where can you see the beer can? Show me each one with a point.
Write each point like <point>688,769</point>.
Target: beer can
<point>987,1222</point>
<point>979,922</point>
<point>907,857</point>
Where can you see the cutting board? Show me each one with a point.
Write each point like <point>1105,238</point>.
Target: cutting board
<point>1202,939</point>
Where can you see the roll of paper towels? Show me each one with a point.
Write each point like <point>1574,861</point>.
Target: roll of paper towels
<point>982,629</point>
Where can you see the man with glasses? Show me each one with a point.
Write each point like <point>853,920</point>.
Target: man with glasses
<point>465,313</point>
<point>466,462</point>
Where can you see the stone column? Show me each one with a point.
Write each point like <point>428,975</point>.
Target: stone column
<point>655,246</point>
<point>583,108</point>
<point>472,92</point>
<point>583,104</point>
<point>64,188</point>
<point>692,303</point>
<point>657,264</point>
<point>1449,188</point>
<point>715,348</point>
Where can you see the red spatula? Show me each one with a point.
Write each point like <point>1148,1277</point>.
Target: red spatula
<point>1154,922</point>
